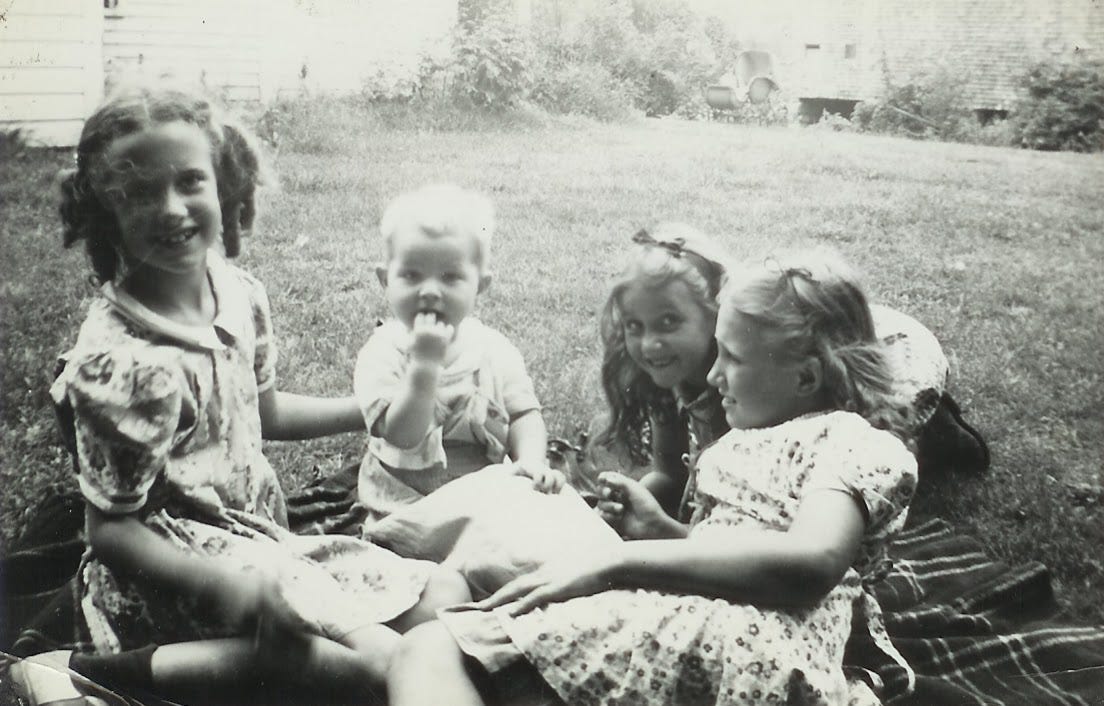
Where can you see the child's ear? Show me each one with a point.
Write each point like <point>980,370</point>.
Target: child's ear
<point>810,377</point>
<point>381,274</point>
<point>484,282</point>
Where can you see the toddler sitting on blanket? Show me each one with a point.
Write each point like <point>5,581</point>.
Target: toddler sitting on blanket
<point>442,394</point>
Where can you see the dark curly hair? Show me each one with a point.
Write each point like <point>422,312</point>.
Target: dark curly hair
<point>673,251</point>
<point>239,168</point>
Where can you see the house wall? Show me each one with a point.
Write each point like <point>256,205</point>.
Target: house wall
<point>51,75</point>
<point>257,50</point>
<point>216,43</point>
<point>57,55</point>
<point>987,44</point>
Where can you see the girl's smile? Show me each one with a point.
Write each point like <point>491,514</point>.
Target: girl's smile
<point>162,189</point>
<point>667,333</point>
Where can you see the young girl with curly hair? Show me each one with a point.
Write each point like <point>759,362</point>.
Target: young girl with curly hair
<point>191,586</point>
<point>657,334</point>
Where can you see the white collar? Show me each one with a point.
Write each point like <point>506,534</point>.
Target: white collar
<point>229,298</point>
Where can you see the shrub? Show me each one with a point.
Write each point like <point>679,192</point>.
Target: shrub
<point>606,60</point>
<point>490,64</point>
<point>659,53</point>
<point>928,105</point>
<point>1063,107</point>
<point>581,88</point>
<point>13,144</point>
<point>682,52</point>
<point>999,133</point>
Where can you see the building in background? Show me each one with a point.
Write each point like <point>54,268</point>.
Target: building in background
<point>57,56</point>
<point>51,67</point>
<point>834,53</point>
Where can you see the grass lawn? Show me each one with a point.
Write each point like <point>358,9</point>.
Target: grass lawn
<point>998,251</point>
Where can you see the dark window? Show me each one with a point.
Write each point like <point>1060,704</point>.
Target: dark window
<point>987,116</point>
<point>849,51</point>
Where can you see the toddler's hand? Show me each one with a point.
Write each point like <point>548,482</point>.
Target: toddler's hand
<point>630,509</point>
<point>429,338</point>
<point>545,479</point>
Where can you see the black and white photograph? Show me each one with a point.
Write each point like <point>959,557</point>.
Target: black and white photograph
<point>551,352</point>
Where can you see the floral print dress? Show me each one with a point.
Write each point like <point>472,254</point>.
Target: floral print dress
<point>649,647</point>
<point>168,430</point>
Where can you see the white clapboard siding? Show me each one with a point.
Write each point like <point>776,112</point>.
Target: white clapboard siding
<point>14,81</point>
<point>218,44</point>
<point>51,72</point>
<point>57,55</point>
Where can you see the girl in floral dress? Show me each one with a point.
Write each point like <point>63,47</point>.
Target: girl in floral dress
<point>192,587</point>
<point>657,335</point>
<point>793,510</point>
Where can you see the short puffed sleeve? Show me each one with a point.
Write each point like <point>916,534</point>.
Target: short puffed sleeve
<point>126,408</point>
<point>264,360</point>
<point>515,386</point>
<point>379,371</point>
<point>871,465</point>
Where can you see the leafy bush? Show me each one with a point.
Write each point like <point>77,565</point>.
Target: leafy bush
<point>1063,108</point>
<point>999,133</point>
<point>677,58</point>
<point>581,88</point>
<point>490,64</point>
<point>13,144</point>
<point>660,53</point>
<point>607,60</point>
<point>928,105</point>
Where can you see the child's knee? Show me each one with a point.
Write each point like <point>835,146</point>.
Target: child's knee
<point>423,647</point>
<point>445,587</point>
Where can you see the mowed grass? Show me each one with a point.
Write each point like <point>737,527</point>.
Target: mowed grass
<point>998,251</point>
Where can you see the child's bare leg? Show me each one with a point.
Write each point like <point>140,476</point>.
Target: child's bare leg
<point>428,668</point>
<point>444,588</point>
<point>376,645</point>
<point>229,670</point>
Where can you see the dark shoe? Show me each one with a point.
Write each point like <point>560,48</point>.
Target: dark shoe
<point>948,443</point>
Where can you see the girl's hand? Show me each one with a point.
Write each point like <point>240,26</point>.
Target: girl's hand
<point>555,582</point>
<point>630,509</point>
<point>545,479</point>
<point>429,338</point>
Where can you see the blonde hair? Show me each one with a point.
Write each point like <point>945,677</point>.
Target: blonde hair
<point>442,210</point>
<point>663,254</point>
<point>812,304</point>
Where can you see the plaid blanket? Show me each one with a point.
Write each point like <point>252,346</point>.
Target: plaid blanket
<point>975,631</point>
